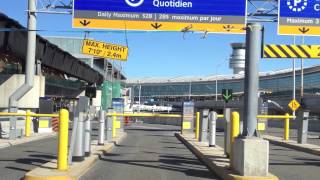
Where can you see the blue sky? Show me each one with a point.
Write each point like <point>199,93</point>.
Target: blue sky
<point>164,54</point>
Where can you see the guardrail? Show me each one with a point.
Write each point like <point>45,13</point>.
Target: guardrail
<point>114,116</point>
<point>62,160</point>
<point>28,116</point>
<point>144,115</point>
<point>286,118</point>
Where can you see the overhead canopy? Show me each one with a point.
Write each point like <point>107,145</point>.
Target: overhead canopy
<point>13,40</point>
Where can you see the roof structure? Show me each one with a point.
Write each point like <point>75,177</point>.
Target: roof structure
<point>183,79</point>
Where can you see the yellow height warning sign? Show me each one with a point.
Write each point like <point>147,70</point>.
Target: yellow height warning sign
<point>291,51</point>
<point>105,50</point>
<point>294,105</point>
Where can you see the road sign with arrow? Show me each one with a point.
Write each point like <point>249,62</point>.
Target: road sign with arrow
<point>227,95</point>
<point>156,25</point>
<point>227,16</point>
<point>84,22</point>
<point>299,17</point>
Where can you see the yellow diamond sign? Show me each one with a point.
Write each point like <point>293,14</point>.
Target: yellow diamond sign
<point>294,105</point>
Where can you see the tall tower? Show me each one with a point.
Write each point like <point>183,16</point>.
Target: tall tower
<point>237,58</point>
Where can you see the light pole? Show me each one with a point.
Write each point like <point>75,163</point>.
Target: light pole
<point>216,92</point>
<point>294,76</point>
<point>139,97</point>
<point>190,90</point>
<point>301,77</point>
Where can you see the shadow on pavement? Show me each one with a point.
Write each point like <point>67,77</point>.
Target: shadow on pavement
<point>186,166</point>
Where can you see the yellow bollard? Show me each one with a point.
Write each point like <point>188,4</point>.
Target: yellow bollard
<point>197,125</point>
<point>235,131</point>
<point>63,140</point>
<point>28,124</point>
<point>114,121</point>
<point>286,127</point>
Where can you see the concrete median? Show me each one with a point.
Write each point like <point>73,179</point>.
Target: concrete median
<point>215,159</point>
<point>49,171</point>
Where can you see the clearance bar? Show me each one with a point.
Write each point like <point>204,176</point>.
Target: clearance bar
<point>291,51</point>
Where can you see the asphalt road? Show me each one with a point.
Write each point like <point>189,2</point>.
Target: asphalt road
<point>17,160</point>
<point>150,152</point>
<point>313,137</point>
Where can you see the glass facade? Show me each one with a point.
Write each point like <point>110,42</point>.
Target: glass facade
<point>275,84</point>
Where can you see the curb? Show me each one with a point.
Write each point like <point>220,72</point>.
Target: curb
<point>219,164</point>
<point>48,171</point>
<point>312,149</point>
<point>26,140</point>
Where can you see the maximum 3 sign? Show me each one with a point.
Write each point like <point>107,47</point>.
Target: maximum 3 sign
<point>299,17</point>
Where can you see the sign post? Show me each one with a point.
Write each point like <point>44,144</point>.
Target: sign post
<point>299,17</point>
<point>228,16</point>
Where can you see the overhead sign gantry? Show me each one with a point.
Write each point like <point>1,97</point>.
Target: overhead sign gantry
<point>222,16</point>
<point>299,17</point>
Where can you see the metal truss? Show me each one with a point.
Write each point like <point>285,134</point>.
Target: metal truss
<point>54,6</point>
<point>262,11</point>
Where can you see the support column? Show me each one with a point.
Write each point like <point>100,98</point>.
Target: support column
<point>251,154</point>
<point>29,69</point>
<point>251,80</point>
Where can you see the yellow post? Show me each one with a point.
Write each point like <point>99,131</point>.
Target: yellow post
<point>63,140</point>
<point>114,121</point>
<point>235,131</point>
<point>28,124</point>
<point>286,127</point>
<point>197,125</point>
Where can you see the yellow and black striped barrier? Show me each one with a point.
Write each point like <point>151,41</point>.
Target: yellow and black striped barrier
<point>291,51</point>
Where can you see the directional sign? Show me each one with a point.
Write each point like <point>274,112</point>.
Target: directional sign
<point>227,95</point>
<point>299,17</point>
<point>105,50</point>
<point>223,16</point>
<point>291,51</point>
<point>294,105</point>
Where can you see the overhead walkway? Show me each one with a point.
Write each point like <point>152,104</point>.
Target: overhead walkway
<point>13,40</point>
